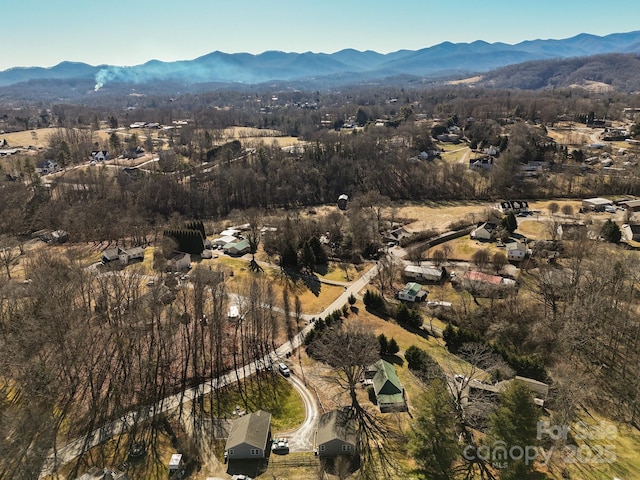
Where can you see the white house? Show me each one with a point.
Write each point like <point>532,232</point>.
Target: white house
<point>419,272</point>
<point>180,261</point>
<point>100,155</point>
<point>485,231</point>
<point>516,251</point>
<point>412,292</point>
<point>631,232</point>
<point>47,166</point>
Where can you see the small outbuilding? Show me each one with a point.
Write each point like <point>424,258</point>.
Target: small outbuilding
<point>343,200</point>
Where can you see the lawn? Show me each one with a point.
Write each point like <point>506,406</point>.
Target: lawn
<point>285,405</point>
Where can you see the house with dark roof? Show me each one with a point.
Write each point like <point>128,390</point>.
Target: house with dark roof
<point>336,434</point>
<point>249,437</point>
<point>47,166</point>
<point>631,232</point>
<point>124,256</point>
<point>389,392</point>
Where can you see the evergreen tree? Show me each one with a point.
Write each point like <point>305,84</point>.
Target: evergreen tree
<point>611,231</point>
<point>393,347</point>
<point>513,426</point>
<point>433,442</point>
<point>384,343</point>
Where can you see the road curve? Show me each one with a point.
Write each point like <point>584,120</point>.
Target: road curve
<point>75,448</point>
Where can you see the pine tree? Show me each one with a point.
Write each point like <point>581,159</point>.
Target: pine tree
<point>433,442</point>
<point>514,426</point>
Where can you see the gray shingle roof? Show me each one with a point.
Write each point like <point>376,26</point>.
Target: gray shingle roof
<point>252,429</point>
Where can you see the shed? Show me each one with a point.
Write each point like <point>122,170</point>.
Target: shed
<point>175,462</point>
<point>336,433</point>
<point>631,205</point>
<point>249,437</point>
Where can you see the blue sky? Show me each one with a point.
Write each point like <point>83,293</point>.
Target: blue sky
<point>123,32</point>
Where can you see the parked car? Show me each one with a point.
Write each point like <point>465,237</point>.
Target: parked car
<point>284,370</point>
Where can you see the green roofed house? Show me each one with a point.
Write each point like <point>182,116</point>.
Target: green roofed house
<point>412,292</point>
<point>250,437</point>
<point>336,434</point>
<point>387,388</point>
<point>237,248</point>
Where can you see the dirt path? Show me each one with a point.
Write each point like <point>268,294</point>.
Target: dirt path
<point>302,439</point>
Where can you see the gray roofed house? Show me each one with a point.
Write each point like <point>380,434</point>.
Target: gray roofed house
<point>631,232</point>
<point>389,391</point>
<point>336,434</point>
<point>250,437</point>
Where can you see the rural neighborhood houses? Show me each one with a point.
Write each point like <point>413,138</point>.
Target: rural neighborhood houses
<point>249,437</point>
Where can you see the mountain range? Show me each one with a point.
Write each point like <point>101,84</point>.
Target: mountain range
<point>345,66</point>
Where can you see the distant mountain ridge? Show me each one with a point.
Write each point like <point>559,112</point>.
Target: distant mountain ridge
<point>348,65</point>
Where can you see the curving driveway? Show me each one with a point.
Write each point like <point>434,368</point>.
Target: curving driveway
<point>304,435</point>
<point>302,439</point>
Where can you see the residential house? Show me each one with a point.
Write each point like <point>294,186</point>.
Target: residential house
<point>46,167</point>
<point>99,155</point>
<point>389,392</point>
<point>237,248</point>
<point>412,292</point>
<point>480,163</point>
<point>631,232</point>
<point>249,437</point>
<point>336,434</point>
<point>512,206</point>
<point>179,262</point>
<point>424,273</point>
<point>128,256</point>
<point>485,231</point>
<point>396,235</point>
<point>516,251</point>
<point>481,284</point>
<point>125,257</point>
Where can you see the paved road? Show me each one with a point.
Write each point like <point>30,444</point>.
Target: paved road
<point>75,448</point>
